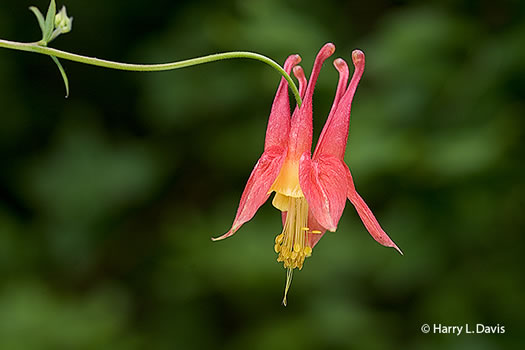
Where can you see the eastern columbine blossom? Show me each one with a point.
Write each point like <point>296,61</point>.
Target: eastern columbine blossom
<point>310,190</point>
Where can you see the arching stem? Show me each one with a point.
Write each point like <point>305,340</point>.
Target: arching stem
<point>34,47</point>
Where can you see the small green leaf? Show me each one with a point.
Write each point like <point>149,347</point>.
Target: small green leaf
<point>63,73</point>
<point>39,17</point>
<point>50,21</point>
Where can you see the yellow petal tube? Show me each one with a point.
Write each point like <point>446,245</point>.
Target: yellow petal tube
<point>287,182</point>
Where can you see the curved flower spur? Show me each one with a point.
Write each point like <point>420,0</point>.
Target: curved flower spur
<point>310,190</point>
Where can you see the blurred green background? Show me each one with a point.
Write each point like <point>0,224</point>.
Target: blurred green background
<point>109,198</point>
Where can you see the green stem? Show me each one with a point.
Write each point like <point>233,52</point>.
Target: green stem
<point>34,47</point>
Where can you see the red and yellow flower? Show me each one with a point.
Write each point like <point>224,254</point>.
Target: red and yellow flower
<point>310,189</point>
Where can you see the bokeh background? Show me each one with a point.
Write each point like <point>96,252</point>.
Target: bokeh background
<point>109,198</point>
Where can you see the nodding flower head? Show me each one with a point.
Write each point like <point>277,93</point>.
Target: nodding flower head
<point>310,189</point>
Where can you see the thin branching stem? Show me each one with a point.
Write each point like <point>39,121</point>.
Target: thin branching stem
<point>36,48</point>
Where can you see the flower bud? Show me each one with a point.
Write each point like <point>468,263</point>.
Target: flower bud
<point>62,22</point>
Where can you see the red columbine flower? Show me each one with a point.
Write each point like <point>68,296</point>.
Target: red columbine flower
<point>310,190</point>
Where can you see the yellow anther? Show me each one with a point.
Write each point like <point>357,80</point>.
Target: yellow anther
<point>277,248</point>
<point>316,232</point>
<point>279,239</point>
<point>307,251</point>
<point>305,228</point>
<point>296,247</point>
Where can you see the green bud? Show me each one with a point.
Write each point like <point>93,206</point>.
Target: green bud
<point>62,22</point>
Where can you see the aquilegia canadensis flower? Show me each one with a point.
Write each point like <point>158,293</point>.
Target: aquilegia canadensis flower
<point>310,190</point>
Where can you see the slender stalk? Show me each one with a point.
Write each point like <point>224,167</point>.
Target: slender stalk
<point>34,47</point>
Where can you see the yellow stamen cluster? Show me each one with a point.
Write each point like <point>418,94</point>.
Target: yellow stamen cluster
<point>291,244</point>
